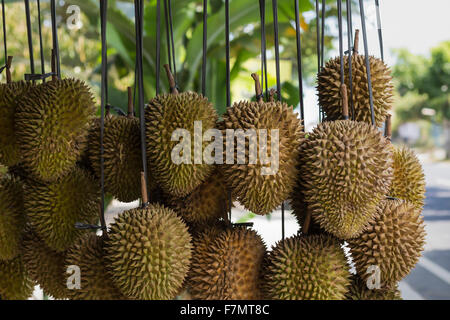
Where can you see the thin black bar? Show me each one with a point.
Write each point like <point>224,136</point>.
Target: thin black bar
<point>55,37</point>
<point>348,4</point>
<point>299,61</point>
<point>366,52</point>
<point>166,16</point>
<point>227,45</point>
<point>380,31</point>
<point>41,47</point>
<point>29,34</point>
<point>341,40</point>
<point>158,47</point>
<point>5,45</point>
<point>172,43</point>
<point>205,45</point>
<point>322,41</point>
<point>318,34</point>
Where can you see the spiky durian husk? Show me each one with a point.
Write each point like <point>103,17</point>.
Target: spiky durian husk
<point>165,114</point>
<point>260,193</point>
<point>14,281</point>
<point>207,203</point>
<point>149,253</point>
<point>393,242</point>
<point>89,255</point>
<point>312,267</point>
<point>228,267</point>
<point>409,180</point>
<point>52,122</point>
<point>10,93</point>
<point>54,208</point>
<point>329,86</point>
<point>346,173</point>
<point>359,291</point>
<point>12,217</point>
<point>44,265</point>
<point>122,156</point>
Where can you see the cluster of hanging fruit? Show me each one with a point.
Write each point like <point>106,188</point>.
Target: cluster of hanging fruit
<point>345,180</point>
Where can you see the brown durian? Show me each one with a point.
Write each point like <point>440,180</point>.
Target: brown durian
<point>360,291</point>
<point>347,171</point>
<point>51,123</point>
<point>45,266</point>
<point>228,266</point>
<point>329,86</point>
<point>164,115</point>
<point>88,254</point>
<point>312,267</point>
<point>14,281</point>
<point>409,180</point>
<point>260,187</point>
<point>12,217</point>
<point>393,242</point>
<point>148,252</point>
<point>54,208</point>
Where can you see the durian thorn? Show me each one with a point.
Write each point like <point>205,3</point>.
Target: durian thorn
<point>258,91</point>
<point>388,130</point>
<point>344,101</point>
<point>144,190</point>
<point>130,104</point>
<point>54,76</point>
<point>356,43</point>
<point>272,95</point>
<point>172,84</point>
<point>8,69</point>
<point>307,221</point>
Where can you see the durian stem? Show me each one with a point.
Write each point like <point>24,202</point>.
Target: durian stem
<point>54,76</point>
<point>388,130</point>
<point>272,95</point>
<point>8,69</point>
<point>344,101</point>
<point>258,91</point>
<point>172,84</point>
<point>307,221</point>
<point>130,103</point>
<point>144,190</point>
<point>356,44</point>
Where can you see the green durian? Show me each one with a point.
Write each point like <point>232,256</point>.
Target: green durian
<point>14,281</point>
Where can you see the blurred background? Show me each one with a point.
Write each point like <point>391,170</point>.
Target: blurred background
<point>416,47</point>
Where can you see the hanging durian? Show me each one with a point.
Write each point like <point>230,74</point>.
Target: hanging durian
<point>207,203</point>
<point>122,150</point>
<point>260,185</point>
<point>329,86</point>
<point>409,180</point>
<point>54,208</point>
<point>163,116</point>
<point>88,254</point>
<point>312,267</point>
<point>52,122</point>
<point>12,217</point>
<point>360,291</point>
<point>14,281</point>
<point>393,243</point>
<point>227,265</point>
<point>10,94</point>
<point>44,265</point>
<point>148,252</point>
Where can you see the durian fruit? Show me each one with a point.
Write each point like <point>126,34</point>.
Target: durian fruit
<point>45,266</point>
<point>329,86</point>
<point>409,180</point>
<point>10,94</point>
<point>148,252</point>
<point>54,208</point>
<point>51,124</point>
<point>207,203</point>
<point>88,254</point>
<point>393,243</point>
<point>122,155</point>
<point>347,171</point>
<point>261,187</point>
<point>227,265</point>
<point>360,291</point>
<point>14,281</point>
<point>163,116</point>
<point>12,217</point>
<point>312,267</point>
